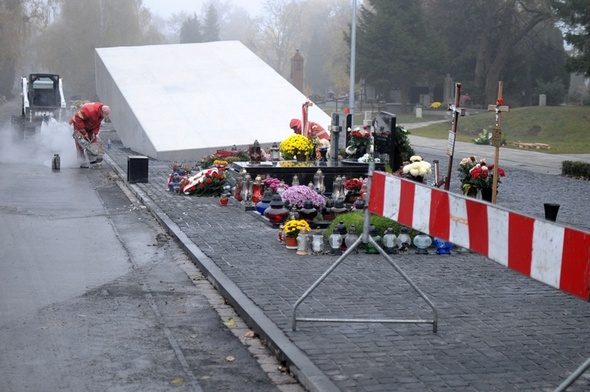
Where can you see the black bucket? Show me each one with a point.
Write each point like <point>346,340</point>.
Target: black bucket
<point>551,210</point>
<point>55,163</point>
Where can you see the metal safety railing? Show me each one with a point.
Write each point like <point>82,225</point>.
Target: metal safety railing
<point>573,377</point>
<point>365,238</point>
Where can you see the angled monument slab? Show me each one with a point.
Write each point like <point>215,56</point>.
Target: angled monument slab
<point>184,101</point>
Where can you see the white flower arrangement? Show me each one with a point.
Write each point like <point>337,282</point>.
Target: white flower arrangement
<point>417,167</point>
<point>368,158</point>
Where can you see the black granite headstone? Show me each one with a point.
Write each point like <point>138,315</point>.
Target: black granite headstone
<point>384,125</point>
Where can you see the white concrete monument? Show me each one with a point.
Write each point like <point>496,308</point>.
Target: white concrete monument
<point>182,102</point>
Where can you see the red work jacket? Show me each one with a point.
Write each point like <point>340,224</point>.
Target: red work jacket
<point>88,118</point>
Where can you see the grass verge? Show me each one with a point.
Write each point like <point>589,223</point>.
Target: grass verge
<point>566,129</point>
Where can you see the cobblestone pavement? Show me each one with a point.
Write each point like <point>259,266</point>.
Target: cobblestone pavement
<point>498,330</point>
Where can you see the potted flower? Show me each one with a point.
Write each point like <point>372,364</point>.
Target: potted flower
<point>477,176</point>
<point>468,183</point>
<point>359,143</point>
<point>352,189</point>
<point>292,229</point>
<point>296,146</point>
<point>274,184</point>
<point>483,176</point>
<point>417,169</point>
<point>298,194</point>
<point>220,163</point>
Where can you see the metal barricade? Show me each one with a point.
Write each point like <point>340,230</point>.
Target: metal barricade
<point>365,238</point>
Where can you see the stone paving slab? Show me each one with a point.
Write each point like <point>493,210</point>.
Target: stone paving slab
<point>498,330</point>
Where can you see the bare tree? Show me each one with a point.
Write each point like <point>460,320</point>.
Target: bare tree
<point>67,46</point>
<point>280,33</point>
<point>326,51</point>
<point>236,24</point>
<point>15,26</point>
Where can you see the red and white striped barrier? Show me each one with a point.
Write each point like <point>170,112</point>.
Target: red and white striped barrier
<point>553,254</point>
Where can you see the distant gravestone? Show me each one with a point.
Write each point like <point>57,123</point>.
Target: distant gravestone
<point>542,100</point>
<point>385,144</point>
<point>425,100</point>
<point>448,89</point>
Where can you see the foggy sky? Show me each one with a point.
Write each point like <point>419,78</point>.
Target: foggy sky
<point>167,8</point>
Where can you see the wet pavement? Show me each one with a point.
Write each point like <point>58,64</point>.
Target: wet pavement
<point>498,330</point>
<point>95,296</point>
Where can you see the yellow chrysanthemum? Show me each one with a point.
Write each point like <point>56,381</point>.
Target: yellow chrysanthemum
<point>296,145</point>
<point>293,227</point>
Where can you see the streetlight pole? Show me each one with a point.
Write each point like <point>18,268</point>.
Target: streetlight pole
<point>352,63</point>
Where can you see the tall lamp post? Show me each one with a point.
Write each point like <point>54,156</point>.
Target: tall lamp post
<point>352,63</point>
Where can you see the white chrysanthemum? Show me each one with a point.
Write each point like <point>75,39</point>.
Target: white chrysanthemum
<point>417,169</point>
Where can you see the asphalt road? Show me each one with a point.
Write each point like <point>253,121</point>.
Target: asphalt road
<point>95,296</point>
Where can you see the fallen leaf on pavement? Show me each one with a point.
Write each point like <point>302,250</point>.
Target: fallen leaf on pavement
<point>229,323</point>
<point>178,380</point>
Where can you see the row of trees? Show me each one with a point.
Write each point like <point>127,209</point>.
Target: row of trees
<point>400,43</point>
<point>193,32</point>
<point>478,42</point>
<point>60,36</point>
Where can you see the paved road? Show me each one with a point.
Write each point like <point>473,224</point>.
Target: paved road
<point>529,160</point>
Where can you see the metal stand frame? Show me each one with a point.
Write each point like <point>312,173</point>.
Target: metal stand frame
<point>573,377</point>
<point>365,238</point>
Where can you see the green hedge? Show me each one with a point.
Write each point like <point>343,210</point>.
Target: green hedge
<point>576,169</point>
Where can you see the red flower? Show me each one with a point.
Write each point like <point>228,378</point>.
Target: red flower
<point>475,172</point>
<point>209,180</point>
<point>501,171</point>
<point>224,154</point>
<point>353,184</point>
<point>202,185</point>
<point>360,134</point>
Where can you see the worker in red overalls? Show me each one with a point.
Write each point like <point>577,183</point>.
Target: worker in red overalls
<point>315,129</point>
<point>86,122</point>
<point>312,130</point>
